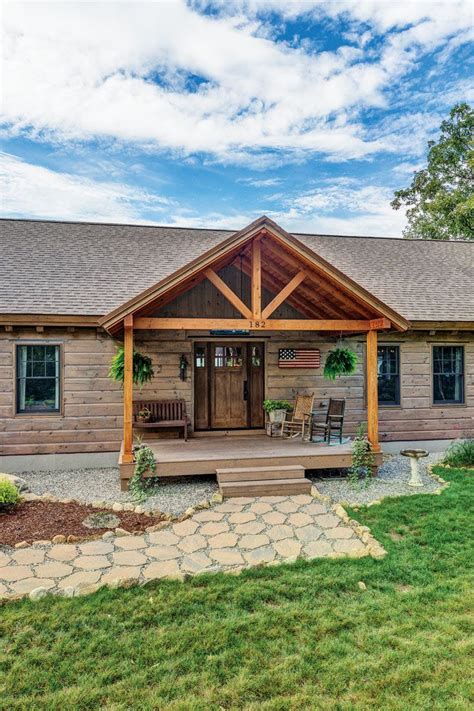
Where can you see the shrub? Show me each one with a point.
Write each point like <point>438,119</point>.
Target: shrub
<point>460,453</point>
<point>363,459</point>
<point>144,460</point>
<point>9,495</point>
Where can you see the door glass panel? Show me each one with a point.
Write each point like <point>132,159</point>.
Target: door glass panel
<point>228,357</point>
<point>256,357</point>
<point>200,357</point>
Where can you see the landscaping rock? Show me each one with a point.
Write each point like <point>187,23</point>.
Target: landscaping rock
<point>59,539</point>
<point>101,520</point>
<point>38,593</point>
<point>21,484</point>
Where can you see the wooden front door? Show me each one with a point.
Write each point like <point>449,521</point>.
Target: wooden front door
<point>228,385</point>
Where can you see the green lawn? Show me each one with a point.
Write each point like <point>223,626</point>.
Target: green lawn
<point>301,636</point>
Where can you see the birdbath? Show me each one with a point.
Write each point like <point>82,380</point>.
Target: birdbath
<point>415,455</point>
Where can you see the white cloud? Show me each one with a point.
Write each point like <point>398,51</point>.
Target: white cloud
<point>343,207</point>
<point>34,191</point>
<point>77,70</point>
<point>260,182</point>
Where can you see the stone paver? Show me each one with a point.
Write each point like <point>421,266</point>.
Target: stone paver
<point>53,569</point>
<point>185,528</point>
<point>265,554</point>
<point>235,534</point>
<point>260,507</point>
<point>27,556</point>
<point>299,519</point>
<point>195,562</point>
<point>62,552</point>
<point>131,543</point>
<point>317,549</point>
<point>223,540</point>
<point>276,533</point>
<point>252,527</point>
<point>192,543</point>
<point>26,585</point>
<point>162,552</point>
<point>93,562</point>
<point>274,517</point>
<point>214,527</point>
<point>253,541</point>
<point>242,517</point>
<point>288,548</point>
<point>129,558</point>
<point>340,532</point>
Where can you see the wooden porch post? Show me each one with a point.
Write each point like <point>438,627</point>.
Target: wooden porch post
<point>127,455</point>
<point>372,391</point>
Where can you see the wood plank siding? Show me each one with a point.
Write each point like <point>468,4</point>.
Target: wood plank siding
<point>91,416</point>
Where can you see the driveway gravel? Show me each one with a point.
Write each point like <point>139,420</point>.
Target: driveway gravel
<point>87,485</point>
<point>392,480</point>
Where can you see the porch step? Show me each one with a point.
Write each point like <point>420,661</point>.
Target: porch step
<point>292,471</point>
<point>263,481</point>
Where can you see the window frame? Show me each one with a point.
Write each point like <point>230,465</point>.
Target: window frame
<point>445,403</point>
<point>392,405</point>
<point>31,413</point>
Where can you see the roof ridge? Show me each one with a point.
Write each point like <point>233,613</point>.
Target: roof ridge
<point>218,229</point>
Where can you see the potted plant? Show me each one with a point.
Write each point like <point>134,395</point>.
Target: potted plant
<point>276,409</point>
<point>340,361</point>
<point>144,415</point>
<point>142,368</point>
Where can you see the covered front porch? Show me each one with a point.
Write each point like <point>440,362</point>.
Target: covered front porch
<point>203,455</point>
<point>259,286</point>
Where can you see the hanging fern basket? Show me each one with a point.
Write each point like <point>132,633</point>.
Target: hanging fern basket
<point>340,361</point>
<point>142,368</point>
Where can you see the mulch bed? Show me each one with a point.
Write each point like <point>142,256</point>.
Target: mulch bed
<point>41,520</point>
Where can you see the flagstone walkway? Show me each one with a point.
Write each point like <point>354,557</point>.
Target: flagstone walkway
<point>235,534</point>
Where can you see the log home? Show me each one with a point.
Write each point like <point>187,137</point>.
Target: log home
<point>214,309</point>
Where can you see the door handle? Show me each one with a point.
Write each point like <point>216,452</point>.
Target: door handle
<point>246,390</point>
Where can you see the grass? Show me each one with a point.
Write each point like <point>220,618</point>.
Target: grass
<point>302,636</point>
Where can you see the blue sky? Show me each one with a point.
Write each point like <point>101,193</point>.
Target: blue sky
<point>210,114</point>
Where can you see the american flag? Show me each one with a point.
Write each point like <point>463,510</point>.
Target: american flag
<point>299,358</point>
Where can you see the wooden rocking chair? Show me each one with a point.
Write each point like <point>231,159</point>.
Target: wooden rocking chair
<point>334,420</point>
<point>299,422</point>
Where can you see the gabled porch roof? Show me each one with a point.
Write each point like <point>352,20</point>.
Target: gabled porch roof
<point>287,267</point>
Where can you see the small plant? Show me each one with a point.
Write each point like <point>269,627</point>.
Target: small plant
<point>142,368</point>
<point>144,460</point>
<point>340,361</point>
<point>460,453</point>
<point>9,495</point>
<point>272,405</point>
<point>144,415</point>
<point>363,459</point>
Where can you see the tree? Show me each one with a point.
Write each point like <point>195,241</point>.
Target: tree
<point>440,199</point>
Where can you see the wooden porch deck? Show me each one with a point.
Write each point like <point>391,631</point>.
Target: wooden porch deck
<point>204,455</point>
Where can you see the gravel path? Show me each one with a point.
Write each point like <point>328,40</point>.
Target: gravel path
<point>87,485</point>
<point>392,480</point>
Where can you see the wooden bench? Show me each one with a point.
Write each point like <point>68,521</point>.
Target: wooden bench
<point>164,413</point>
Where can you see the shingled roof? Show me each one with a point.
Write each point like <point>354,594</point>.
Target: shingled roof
<point>89,269</point>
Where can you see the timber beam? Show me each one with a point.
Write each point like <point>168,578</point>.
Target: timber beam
<point>185,324</point>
